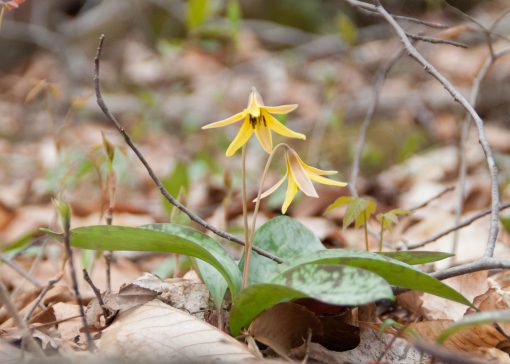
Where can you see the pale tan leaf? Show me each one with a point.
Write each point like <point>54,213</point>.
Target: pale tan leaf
<point>155,331</point>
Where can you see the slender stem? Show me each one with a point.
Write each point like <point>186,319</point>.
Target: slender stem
<point>74,279</point>
<point>381,235</point>
<point>365,226</point>
<point>249,239</point>
<point>261,185</point>
<point>247,246</point>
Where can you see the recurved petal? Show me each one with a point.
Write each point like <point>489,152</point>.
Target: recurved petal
<point>292,189</point>
<point>264,136</point>
<point>326,181</point>
<point>241,138</point>
<point>254,103</point>
<point>299,175</point>
<point>230,120</point>
<point>280,128</point>
<point>282,109</point>
<point>272,189</point>
<point>314,170</point>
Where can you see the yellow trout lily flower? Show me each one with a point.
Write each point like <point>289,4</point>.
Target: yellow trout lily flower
<point>257,118</point>
<point>300,175</point>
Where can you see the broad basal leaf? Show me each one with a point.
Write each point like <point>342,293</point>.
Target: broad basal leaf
<point>284,237</point>
<point>393,271</point>
<point>417,257</point>
<point>211,276</point>
<point>334,284</point>
<point>180,240</point>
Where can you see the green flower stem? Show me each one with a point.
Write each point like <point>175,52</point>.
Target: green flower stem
<point>261,185</point>
<point>249,237</point>
<point>247,246</point>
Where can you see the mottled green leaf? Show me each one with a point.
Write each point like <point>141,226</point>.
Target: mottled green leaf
<point>284,237</point>
<point>417,257</point>
<point>211,276</point>
<point>336,284</point>
<point>333,284</point>
<point>474,319</point>
<point>160,238</point>
<point>255,299</point>
<point>393,271</point>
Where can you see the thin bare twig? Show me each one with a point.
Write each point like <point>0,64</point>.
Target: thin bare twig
<point>20,271</point>
<point>432,40</point>
<point>487,32</point>
<point>155,179</point>
<point>433,198</point>
<point>67,242</point>
<point>25,331</point>
<point>457,96</point>
<point>372,10</point>
<point>455,227</point>
<point>479,265</point>
<point>379,83</point>
<point>461,183</point>
<point>97,293</point>
<point>41,295</point>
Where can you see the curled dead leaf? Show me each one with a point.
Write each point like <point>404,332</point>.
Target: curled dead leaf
<point>158,331</point>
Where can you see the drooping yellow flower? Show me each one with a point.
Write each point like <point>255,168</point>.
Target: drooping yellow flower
<point>257,118</point>
<point>300,175</point>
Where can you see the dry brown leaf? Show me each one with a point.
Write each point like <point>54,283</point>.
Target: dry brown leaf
<point>156,330</point>
<point>285,326</point>
<point>186,294</point>
<point>432,307</point>
<point>471,339</point>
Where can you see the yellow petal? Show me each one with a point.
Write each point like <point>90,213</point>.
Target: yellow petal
<point>264,136</point>
<point>299,175</point>
<point>326,181</point>
<point>241,138</point>
<point>272,189</point>
<point>314,170</point>
<point>282,109</point>
<point>231,120</point>
<point>280,128</point>
<point>292,189</point>
<point>253,103</point>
